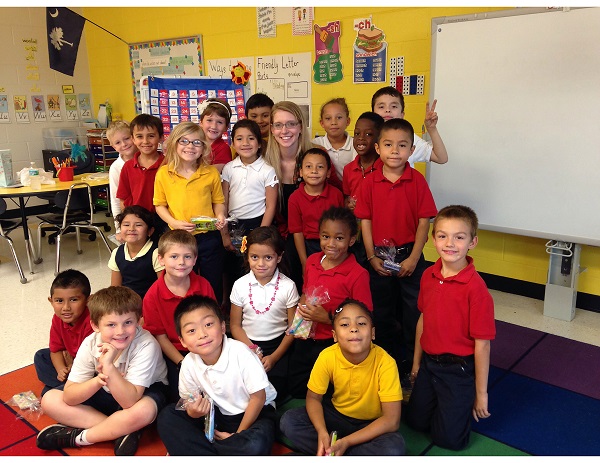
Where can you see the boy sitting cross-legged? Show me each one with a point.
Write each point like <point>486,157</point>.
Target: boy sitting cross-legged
<point>116,385</point>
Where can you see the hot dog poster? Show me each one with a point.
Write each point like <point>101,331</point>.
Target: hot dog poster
<point>328,67</point>
<point>370,51</point>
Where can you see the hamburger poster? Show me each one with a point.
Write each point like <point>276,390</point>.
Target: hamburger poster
<point>370,52</point>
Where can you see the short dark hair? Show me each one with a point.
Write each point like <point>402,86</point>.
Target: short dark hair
<point>464,213</point>
<point>142,121</point>
<point>259,100</point>
<point>317,151</point>
<point>119,300</point>
<point>71,279</point>
<point>191,303</point>
<point>398,124</point>
<point>140,212</point>
<point>373,117</point>
<point>250,125</point>
<point>350,301</point>
<point>341,214</point>
<point>388,91</point>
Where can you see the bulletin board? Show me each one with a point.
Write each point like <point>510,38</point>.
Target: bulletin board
<point>176,100</point>
<point>519,105</point>
<point>169,58</point>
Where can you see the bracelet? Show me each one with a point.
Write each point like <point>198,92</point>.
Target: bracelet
<point>369,258</point>
<point>253,346</point>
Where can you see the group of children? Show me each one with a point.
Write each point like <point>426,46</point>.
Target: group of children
<point>432,325</point>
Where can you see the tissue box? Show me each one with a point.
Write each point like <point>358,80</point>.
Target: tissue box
<point>6,172</point>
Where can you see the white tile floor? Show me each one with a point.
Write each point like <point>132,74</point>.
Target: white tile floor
<point>25,312</point>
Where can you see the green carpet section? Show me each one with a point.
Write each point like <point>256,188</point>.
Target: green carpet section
<point>479,445</point>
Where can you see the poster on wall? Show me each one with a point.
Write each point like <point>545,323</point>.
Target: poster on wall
<point>21,112</point>
<point>53,103</point>
<point>71,107</point>
<point>328,67</point>
<point>286,77</point>
<point>370,51</point>
<point>39,108</point>
<point>85,106</point>
<point>221,68</point>
<point>265,21</point>
<point>167,58</point>
<point>4,116</point>
<point>176,100</point>
<point>302,20</point>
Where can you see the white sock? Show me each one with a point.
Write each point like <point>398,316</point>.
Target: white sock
<point>81,439</point>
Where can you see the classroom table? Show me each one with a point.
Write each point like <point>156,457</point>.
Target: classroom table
<point>18,195</point>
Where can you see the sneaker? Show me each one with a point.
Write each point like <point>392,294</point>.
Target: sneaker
<point>57,436</point>
<point>126,446</point>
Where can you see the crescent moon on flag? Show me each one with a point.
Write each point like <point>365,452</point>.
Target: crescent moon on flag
<point>55,13</point>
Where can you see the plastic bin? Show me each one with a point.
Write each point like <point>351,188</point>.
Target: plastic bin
<point>59,138</point>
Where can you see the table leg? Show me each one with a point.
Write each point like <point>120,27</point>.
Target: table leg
<point>31,252</point>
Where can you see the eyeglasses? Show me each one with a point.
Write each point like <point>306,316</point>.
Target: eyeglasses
<point>185,142</point>
<point>288,125</point>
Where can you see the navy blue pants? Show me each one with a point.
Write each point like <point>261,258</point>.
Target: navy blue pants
<point>442,400</point>
<point>209,264</point>
<point>45,370</point>
<point>183,435</point>
<point>395,312</point>
<point>297,427</point>
<point>302,359</point>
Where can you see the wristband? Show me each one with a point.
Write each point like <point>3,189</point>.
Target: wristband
<point>369,258</point>
<point>253,346</point>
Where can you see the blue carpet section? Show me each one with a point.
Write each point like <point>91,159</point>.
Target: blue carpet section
<point>539,418</point>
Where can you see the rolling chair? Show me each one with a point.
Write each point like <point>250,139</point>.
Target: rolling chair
<point>77,215</point>
<point>6,226</point>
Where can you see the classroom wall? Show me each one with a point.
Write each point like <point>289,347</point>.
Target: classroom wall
<point>25,70</point>
<point>232,32</point>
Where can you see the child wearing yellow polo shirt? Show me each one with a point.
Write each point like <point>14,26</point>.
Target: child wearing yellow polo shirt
<point>364,410</point>
<point>188,186</point>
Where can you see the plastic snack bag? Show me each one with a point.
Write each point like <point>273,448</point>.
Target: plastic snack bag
<point>387,252</point>
<point>209,419</point>
<point>238,240</point>
<point>304,329</point>
<point>28,404</point>
<point>206,223</point>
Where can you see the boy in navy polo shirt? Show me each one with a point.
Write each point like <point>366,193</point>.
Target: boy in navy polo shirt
<point>395,205</point>
<point>452,347</point>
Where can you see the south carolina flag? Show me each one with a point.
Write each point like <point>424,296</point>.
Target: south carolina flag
<point>64,33</point>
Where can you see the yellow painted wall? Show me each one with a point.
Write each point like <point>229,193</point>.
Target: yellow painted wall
<point>408,33</point>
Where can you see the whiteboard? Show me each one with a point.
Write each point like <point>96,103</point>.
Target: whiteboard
<point>519,108</point>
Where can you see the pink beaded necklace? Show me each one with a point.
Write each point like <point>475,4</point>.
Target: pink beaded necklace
<point>258,312</point>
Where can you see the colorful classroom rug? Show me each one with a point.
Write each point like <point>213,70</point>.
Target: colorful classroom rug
<point>543,394</point>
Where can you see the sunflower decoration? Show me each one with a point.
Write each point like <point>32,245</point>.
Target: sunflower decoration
<point>240,74</point>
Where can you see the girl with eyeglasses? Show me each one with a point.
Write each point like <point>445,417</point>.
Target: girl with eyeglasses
<point>187,186</point>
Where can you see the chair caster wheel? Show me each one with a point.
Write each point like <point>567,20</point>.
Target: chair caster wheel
<point>107,228</point>
<point>23,280</point>
<point>51,241</point>
<point>92,237</point>
<point>79,251</point>
<point>38,261</point>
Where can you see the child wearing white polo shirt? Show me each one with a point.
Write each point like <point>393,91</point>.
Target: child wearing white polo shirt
<point>250,190</point>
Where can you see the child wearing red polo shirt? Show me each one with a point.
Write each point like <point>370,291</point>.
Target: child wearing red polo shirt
<point>70,326</point>
<point>177,251</point>
<point>395,206</point>
<point>452,347</point>
<point>136,182</point>
<point>313,197</point>
<point>366,132</point>
<point>215,114</point>
<point>336,271</point>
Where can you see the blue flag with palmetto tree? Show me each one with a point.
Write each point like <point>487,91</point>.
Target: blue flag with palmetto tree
<point>64,28</point>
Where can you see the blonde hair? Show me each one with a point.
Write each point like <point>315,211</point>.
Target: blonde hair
<point>115,127</point>
<point>180,237</point>
<point>119,300</point>
<point>273,152</point>
<point>172,159</point>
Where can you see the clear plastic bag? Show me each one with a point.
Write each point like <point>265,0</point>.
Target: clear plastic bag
<point>28,404</point>
<point>304,329</point>
<point>206,223</point>
<point>209,419</point>
<point>387,252</point>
